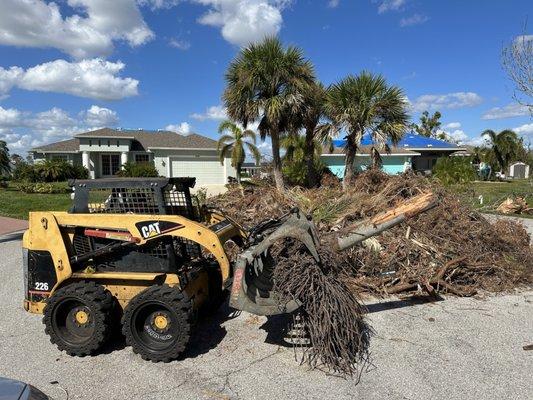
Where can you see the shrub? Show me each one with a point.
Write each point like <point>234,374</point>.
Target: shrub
<point>295,171</point>
<point>451,170</point>
<point>43,187</point>
<point>143,170</point>
<point>25,172</point>
<point>49,171</point>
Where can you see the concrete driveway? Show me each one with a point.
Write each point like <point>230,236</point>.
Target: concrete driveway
<point>453,349</point>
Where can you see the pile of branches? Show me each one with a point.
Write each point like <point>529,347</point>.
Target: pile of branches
<point>449,249</point>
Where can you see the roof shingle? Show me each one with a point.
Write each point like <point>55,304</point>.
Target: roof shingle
<point>146,139</point>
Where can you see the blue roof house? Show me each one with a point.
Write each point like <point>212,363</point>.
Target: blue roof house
<point>414,151</point>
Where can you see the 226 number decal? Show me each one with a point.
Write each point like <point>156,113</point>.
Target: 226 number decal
<point>41,286</point>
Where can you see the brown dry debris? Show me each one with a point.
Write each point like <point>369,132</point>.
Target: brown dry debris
<point>449,249</point>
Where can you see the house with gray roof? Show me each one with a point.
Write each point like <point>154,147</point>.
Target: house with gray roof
<point>105,150</point>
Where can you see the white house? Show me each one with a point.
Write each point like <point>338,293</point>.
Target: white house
<point>103,151</point>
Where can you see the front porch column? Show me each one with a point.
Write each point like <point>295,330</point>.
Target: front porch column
<point>123,158</point>
<point>86,162</point>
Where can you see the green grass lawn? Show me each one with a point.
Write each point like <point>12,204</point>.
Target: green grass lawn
<point>16,204</point>
<point>494,193</point>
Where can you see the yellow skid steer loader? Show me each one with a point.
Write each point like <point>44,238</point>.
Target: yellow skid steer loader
<point>138,254</point>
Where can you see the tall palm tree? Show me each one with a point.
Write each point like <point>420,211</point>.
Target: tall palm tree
<point>5,166</point>
<point>232,144</point>
<point>264,83</point>
<point>312,114</point>
<point>505,146</point>
<point>366,104</point>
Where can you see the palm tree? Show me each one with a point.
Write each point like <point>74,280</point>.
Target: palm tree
<point>312,113</point>
<point>264,83</point>
<point>505,146</point>
<point>366,104</point>
<point>5,166</point>
<point>232,144</point>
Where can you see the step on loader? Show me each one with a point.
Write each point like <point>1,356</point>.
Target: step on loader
<point>140,255</point>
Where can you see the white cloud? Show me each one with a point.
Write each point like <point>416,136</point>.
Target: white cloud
<point>23,130</point>
<point>9,117</point>
<point>88,29</point>
<point>94,78</point>
<point>8,79</point>
<point>158,4</point>
<point>415,19</point>
<point>390,5</point>
<point>452,125</point>
<point>508,111</point>
<point>446,101</point>
<point>333,3</point>
<point>525,130</point>
<point>183,129</point>
<point>180,44</point>
<point>99,117</point>
<point>244,21</point>
<point>213,112</point>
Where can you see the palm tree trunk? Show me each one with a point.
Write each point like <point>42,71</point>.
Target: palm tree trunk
<point>312,178</point>
<point>238,168</point>
<point>349,167</point>
<point>278,176</point>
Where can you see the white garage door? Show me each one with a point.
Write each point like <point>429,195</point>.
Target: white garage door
<point>207,171</point>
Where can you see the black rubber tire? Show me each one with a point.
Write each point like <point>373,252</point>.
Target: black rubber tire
<point>99,302</point>
<point>178,308</point>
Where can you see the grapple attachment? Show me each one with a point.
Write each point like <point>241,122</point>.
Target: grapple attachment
<point>253,283</point>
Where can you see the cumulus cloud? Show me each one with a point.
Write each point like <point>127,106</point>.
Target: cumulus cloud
<point>9,117</point>
<point>23,130</point>
<point>390,5</point>
<point>213,113</point>
<point>99,117</point>
<point>452,125</point>
<point>89,28</point>
<point>244,21</point>
<point>94,78</point>
<point>446,101</point>
<point>508,111</point>
<point>415,19</point>
<point>183,129</point>
<point>525,130</point>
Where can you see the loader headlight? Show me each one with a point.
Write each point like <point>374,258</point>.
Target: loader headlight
<point>25,255</point>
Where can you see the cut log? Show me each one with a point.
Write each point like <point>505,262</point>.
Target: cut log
<point>363,230</point>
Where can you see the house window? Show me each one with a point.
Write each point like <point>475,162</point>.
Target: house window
<point>59,157</point>
<point>142,158</point>
<point>110,164</point>
<point>108,143</point>
<point>118,143</point>
<point>90,142</point>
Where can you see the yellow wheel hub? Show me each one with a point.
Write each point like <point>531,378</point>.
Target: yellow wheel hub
<point>82,317</point>
<point>161,322</point>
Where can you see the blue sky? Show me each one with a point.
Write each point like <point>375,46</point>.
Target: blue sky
<point>73,65</point>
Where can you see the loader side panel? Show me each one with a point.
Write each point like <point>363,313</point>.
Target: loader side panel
<point>41,275</point>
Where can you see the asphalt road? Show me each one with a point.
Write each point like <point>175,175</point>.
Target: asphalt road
<point>452,349</point>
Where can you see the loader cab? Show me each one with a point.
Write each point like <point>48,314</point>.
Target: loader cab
<point>160,196</point>
<point>149,196</point>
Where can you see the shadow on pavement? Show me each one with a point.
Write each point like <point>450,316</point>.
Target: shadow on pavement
<point>8,237</point>
<point>401,303</point>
